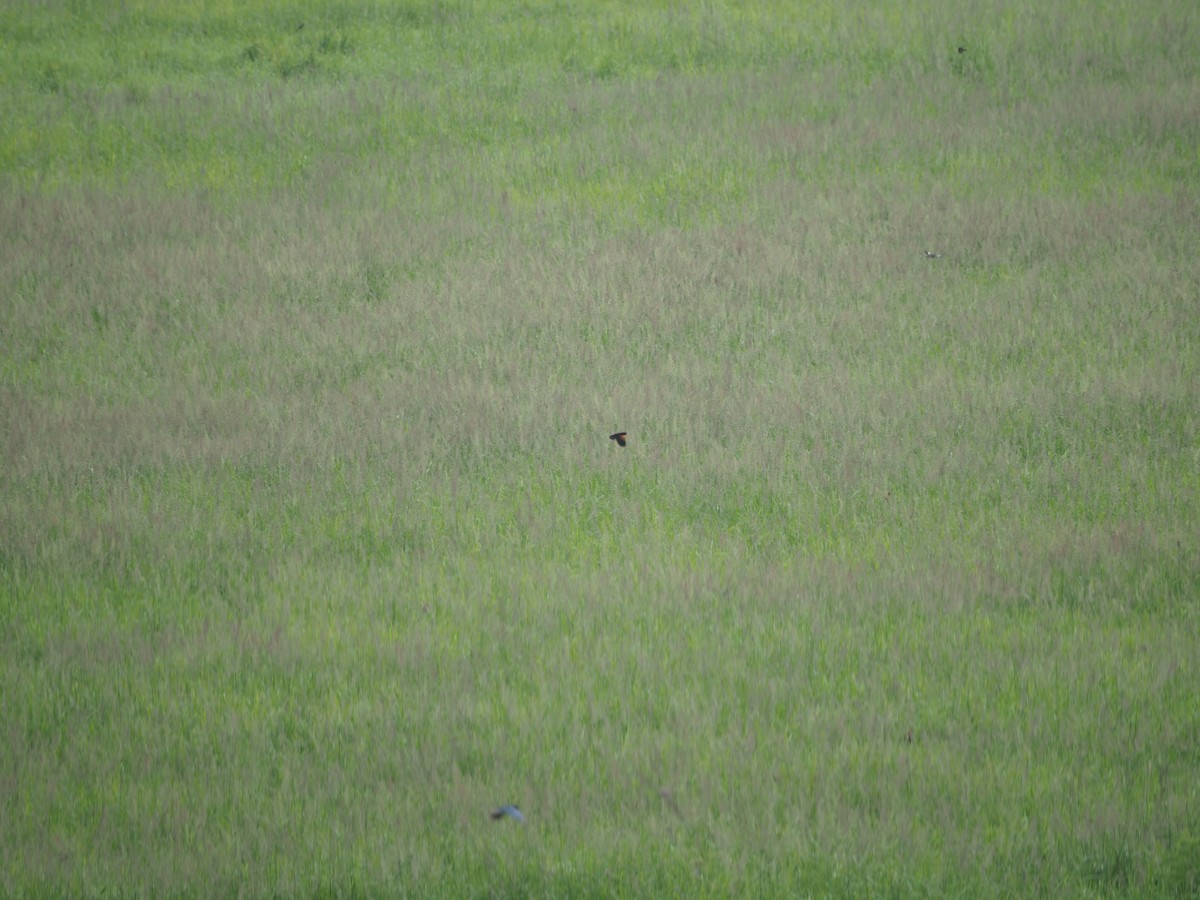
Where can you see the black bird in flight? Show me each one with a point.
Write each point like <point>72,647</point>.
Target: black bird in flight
<point>621,437</point>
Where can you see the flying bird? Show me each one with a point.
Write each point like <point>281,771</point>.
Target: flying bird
<point>508,811</point>
<point>929,254</point>
<point>621,437</point>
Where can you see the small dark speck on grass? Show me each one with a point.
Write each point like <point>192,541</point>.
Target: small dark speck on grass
<point>929,254</point>
<point>962,49</point>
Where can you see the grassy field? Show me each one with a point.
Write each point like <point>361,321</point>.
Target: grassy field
<point>315,319</point>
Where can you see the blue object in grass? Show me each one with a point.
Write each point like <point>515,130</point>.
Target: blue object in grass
<point>508,811</point>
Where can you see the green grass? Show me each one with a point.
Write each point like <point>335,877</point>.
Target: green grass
<point>313,548</point>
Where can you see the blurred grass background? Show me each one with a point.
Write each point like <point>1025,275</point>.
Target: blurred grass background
<point>313,548</point>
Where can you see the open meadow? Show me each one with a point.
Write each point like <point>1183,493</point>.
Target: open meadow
<point>315,318</point>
